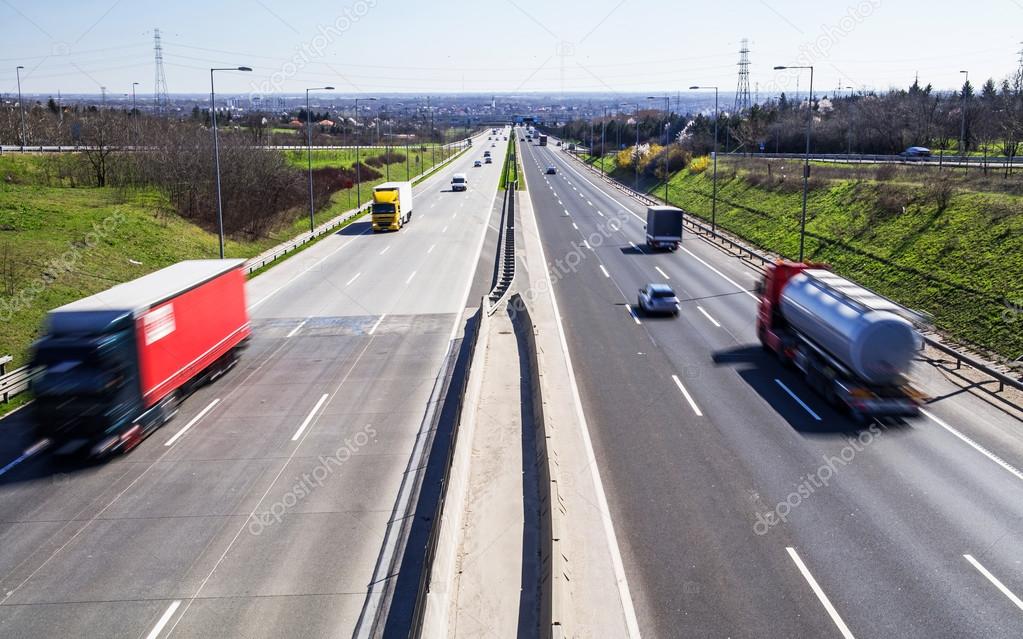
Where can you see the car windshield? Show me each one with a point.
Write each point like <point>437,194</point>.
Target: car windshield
<point>660,293</point>
<point>457,180</point>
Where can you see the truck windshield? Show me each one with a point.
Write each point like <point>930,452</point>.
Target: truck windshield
<point>457,180</point>
<point>383,208</point>
<point>74,371</point>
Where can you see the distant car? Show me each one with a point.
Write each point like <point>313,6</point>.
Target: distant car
<point>488,137</point>
<point>477,163</point>
<point>559,142</point>
<point>552,170</point>
<point>505,137</point>
<point>486,154</point>
<point>522,139</point>
<point>493,144</point>
<point>488,160</point>
<point>916,152</point>
<point>657,299</point>
<point>459,183</point>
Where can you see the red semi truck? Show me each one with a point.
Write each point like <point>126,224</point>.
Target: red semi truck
<point>111,368</point>
<point>852,345</point>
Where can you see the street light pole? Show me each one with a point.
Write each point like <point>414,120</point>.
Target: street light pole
<point>806,160</point>
<point>21,106</point>
<point>358,170</point>
<point>216,152</point>
<point>714,199</point>
<point>309,152</point>
<point>135,112</point>
<point>667,124</point>
<point>603,130</point>
<point>962,114</point>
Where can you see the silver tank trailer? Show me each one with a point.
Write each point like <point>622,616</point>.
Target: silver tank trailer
<point>839,316</point>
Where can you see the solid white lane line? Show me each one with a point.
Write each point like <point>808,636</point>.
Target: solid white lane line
<point>430,250</point>
<point>297,328</point>
<point>689,398</point>
<point>632,312</point>
<point>980,449</point>
<point>844,629</point>
<point>386,248</point>
<point>167,614</point>
<point>376,324</point>
<point>707,315</point>
<point>994,580</point>
<point>728,279</point>
<point>796,397</point>
<point>309,417</point>
<point>604,270</point>
<point>410,277</point>
<point>192,422</point>
<point>663,274</point>
<point>621,580</point>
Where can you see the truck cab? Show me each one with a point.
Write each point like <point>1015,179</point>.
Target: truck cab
<point>392,206</point>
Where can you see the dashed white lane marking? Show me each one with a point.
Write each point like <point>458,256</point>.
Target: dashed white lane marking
<point>707,315</point>
<point>663,274</point>
<point>167,614</point>
<point>689,398</point>
<point>604,270</point>
<point>376,324</point>
<point>796,397</point>
<point>297,328</point>
<point>192,422</point>
<point>632,312</point>
<point>410,277</point>
<point>994,580</point>
<point>354,277</point>
<point>309,417</point>
<point>817,590</point>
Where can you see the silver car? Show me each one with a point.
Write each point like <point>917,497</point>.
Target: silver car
<point>656,299</point>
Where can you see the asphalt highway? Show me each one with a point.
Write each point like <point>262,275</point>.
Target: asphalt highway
<point>744,506</point>
<point>262,509</point>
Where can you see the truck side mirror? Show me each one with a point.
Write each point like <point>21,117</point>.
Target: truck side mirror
<point>758,288</point>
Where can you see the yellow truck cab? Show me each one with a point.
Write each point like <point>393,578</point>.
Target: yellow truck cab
<point>392,206</point>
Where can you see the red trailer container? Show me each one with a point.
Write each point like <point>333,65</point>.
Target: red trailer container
<point>113,366</point>
<point>183,335</point>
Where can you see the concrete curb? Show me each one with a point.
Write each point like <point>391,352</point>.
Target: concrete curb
<point>443,571</point>
<point>555,577</point>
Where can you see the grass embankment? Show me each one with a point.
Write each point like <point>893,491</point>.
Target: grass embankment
<point>942,243</point>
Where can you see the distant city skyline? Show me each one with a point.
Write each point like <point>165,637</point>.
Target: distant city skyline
<point>603,47</point>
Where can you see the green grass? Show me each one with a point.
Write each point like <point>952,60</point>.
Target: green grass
<point>962,264</point>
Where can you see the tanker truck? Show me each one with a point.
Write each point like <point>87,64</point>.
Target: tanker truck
<point>853,346</point>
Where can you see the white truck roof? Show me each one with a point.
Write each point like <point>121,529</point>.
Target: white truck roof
<point>145,292</point>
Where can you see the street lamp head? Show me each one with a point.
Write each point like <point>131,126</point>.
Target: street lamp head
<point>20,66</point>
<point>245,68</point>
<point>328,88</point>
<point>780,68</point>
<point>693,88</point>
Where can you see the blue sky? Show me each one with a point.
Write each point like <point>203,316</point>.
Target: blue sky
<point>503,46</point>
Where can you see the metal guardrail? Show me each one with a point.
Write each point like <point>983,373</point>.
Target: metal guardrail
<point>506,241</point>
<point>752,255</point>
<point>873,158</point>
<point>13,382</point>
